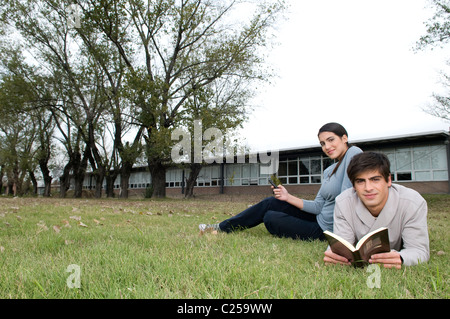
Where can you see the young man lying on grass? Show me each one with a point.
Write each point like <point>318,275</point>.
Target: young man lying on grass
<point>375,202</point>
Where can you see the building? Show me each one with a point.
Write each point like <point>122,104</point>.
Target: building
<point>419,161</point>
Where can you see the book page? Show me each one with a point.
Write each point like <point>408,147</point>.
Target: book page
<point>339,238</point>
<point>364,238</point>
<point>374,244</point>
<point>339,245</point>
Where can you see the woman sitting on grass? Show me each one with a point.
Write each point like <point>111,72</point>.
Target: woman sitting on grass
<point>285,215</point>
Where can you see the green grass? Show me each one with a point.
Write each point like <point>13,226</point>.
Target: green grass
<point>152,249</point>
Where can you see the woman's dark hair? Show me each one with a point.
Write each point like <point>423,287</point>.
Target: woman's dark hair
<point>369,161</point>
<point>337,129</point>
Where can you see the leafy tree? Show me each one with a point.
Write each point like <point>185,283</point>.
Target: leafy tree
<point>17,130</point>
<point>117,118</point>
<point>438,35</point>
<point>438,27</point>
<point>179,47</point>
<point>140,67</point>
<point>441,101</point>
<point>33,92</point>
<point>46,29</point>
<point>221,110</point>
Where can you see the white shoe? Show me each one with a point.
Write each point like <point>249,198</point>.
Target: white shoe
<point>209,227</point>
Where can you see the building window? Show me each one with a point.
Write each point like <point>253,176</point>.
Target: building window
<point>244,174</point>
<point>303,170</point>
<point>174,177</point>
<point>418,163</point>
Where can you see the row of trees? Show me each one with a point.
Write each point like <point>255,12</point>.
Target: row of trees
<point>101,84</point>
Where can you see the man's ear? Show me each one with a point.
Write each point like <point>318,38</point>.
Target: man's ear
<point>389,180</point>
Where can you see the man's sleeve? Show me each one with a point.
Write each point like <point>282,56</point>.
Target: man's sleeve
<point>342,226</point>
<point>416,245</point>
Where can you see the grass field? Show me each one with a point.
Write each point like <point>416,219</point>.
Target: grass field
<point>53,248</point>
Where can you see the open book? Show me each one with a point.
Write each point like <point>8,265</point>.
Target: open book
<point>374,242</point>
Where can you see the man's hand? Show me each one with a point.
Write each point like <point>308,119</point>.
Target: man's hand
<point>389,260</point>
<point>332,258</point>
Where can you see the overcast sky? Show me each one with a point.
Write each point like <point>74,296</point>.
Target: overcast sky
<point>351,62</point>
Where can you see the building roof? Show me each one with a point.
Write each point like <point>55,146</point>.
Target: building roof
<point>388,141</point>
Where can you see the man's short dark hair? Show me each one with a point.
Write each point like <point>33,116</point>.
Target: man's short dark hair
<point>369,161</point>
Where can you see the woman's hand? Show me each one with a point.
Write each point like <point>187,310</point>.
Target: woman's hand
<point>281,193</point>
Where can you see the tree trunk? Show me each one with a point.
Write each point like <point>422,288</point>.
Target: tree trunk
<point>129,154</point>
<point>64,180</point>
<point>125,173</point>
<point>158,173</point>
<point>33,181</point>
<point>10,188</point>
<point>110,179</point>
<point>190,182</point>
<point>78,181</point>
<point>79,170</point>
<point>17,186</point>
<point>96,161</point>
<point>99,177</point>
<point>2,172</point>
<point>43,164</point>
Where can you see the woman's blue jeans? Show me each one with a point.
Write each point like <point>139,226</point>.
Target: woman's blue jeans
<point>280,218</point>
